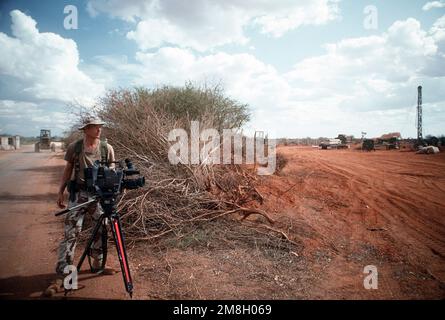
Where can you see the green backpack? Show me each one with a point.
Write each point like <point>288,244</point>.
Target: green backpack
<point>78,149</point>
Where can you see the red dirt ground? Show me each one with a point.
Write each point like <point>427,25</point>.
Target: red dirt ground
<point>346,210</point>
<point>384,208</point>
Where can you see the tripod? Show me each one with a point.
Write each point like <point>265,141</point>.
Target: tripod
<point>108,204</point>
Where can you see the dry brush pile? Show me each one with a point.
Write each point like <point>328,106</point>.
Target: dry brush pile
<point>182,202</point>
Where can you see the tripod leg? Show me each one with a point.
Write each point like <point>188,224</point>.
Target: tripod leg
<point>104,240</point>
<point>122,254</point>
<point>104,244</point>
<point>90,241</point>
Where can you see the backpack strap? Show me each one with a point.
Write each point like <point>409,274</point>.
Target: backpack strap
<point>77,150</point>
<point>104,151</point>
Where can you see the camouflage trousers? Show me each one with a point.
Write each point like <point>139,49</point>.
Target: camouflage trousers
<point>73,227</point>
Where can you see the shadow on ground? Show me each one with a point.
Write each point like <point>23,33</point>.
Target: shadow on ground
<point>52,172</point>
<point>32,287</point>
<point>43,197</point>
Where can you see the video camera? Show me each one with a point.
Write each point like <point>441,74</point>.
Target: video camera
<point>101,179</point>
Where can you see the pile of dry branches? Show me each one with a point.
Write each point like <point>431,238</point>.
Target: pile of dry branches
<point>177,199</point>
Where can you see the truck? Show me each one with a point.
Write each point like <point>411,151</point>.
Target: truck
<point>333,144</point>
<point>44,142</point>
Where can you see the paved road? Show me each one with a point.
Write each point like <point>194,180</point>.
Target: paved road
<point>29,232</point>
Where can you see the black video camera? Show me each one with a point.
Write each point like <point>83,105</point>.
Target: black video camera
<point>100,178</point>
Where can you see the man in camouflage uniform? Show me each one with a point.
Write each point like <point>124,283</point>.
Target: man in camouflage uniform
<point>79,155</point>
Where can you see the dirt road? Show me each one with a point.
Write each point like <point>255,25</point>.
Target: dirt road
<point>30,233</point>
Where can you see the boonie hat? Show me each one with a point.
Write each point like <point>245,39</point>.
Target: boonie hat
<point>90,120</point>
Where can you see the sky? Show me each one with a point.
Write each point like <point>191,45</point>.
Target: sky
<point>305,68</point>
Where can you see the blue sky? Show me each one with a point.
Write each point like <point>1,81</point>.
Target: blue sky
<point>306,68</point>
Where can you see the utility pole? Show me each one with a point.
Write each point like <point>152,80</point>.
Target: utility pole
<point>419,114</point>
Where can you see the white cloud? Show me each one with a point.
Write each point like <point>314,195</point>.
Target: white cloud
<point>366,83</point>
<point>243,76</point>
<point>395,56</point>
<point>27,118</point>
<point>433,5</point>
<point>372,81</point>
<point>44,66</point>
<point>438,33</point>
<point>374,72</point>
<point>9,108</point>
<point>290,16</point>
<point>236,72</point>
<point>154,33</point>
<point>356,77</point>
<point>203,24</point>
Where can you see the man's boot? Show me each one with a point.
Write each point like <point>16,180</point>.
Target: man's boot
<point>55,286</point>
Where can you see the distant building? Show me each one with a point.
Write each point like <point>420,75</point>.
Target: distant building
<point>391,136</point>
<point>9,142</point>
